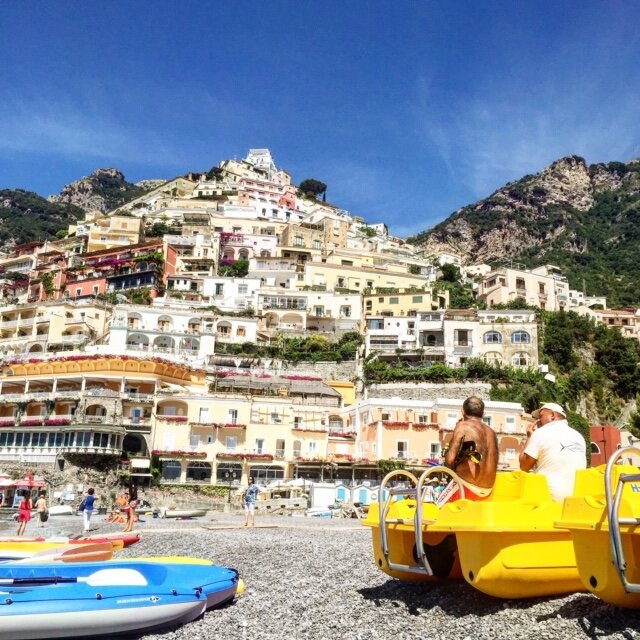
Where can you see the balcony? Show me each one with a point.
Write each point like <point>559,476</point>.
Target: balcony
<point>139,426</point>
<point>142,398</point>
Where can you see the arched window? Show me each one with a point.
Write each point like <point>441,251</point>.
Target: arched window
<point>264,474</point>
<point>492,357</point>
<point>595,448</point>
<point>521,337</point>
<point>492,337</point>
<point>520,359</point>
<point>228,473</point>
<point>297,448</point>
<point>199,471</point>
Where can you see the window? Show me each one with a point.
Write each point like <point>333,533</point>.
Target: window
<point>385,416</point>
<point>275,417</point>
<point>368,305</point>
<point>203,415</point>
<point>452,418</point>
<point>345,311</point>
<point>243,289</point>
<point>492,337</point>
<point>241,332</point>
<point>520,284</point>
<point>402,449</point>
<point>231,442</point>
<point>394,300</point>
<point>434,450</point>
<point>95,289</point>
<point>298,241</point>
<point>259,448</point>
<point>520,360</point>
<point>219,289</point>
<point>492,357</point>
<point>487,419</point>
<point>233,416</point>
<point>510,424</point>
<point>520,337</point>
<point>341,283</point>
<point>312,447</point>
<point>510,454</point>
<point>416,299</point>
<point>78,292</point>
<point>317,244</point>
<point>462,338</point>
<point>423,419</point>
<point>298,422</point>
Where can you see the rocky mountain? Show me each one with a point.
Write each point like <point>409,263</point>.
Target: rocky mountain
<point>26,216</point>
<point>583,218</point>
<point>104,190</point>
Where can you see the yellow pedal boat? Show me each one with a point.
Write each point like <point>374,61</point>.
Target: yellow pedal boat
<point>603,517</point>
<point>506,546</point>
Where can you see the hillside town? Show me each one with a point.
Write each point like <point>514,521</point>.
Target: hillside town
<point>159,336</point>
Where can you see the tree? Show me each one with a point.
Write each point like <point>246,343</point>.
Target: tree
<point>313,187</point>
<point>633,426</point>
<point>450,273</point>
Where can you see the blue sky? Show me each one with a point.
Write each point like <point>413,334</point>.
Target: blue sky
<point>407,110</point>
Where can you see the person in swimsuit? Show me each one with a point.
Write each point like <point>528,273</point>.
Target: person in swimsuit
<point>473,451</point>
<point>41,508</point>
<point>24,512</point>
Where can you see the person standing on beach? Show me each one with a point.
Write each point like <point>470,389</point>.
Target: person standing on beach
<point>250,496</point>
<point>89,501</point>
<point>41,508</point>
<point>133,503</point>
<point>24,511</point>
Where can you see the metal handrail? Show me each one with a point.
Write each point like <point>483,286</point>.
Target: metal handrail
<point>613,516</point>
<point>384,540</point>
<point>420,492</point>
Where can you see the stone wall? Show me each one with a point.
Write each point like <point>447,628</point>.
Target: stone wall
<point>429,390</point>
<point>324,370</point>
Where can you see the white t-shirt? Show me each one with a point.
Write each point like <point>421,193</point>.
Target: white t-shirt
<point>560,451</point>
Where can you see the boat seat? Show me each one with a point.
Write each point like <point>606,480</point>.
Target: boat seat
<point>520,485</point>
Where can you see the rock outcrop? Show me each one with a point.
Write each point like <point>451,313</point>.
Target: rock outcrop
<point>104,190</point>
<point>535,211</point>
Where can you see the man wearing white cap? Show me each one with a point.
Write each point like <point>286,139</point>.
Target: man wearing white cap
<point>556,450</point>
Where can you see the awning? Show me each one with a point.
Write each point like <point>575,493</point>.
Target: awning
<point>142,475</point>
<point>140,463</point>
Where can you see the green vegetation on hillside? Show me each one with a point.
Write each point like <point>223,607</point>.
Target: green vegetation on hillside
<point>610,234</point>
<point>596,249</point>
<point>25,216</point>
<point>313,348</point>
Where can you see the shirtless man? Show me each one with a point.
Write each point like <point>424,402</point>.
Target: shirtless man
<point>473,451</point>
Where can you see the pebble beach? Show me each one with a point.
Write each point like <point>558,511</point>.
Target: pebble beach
<point>314,579</point>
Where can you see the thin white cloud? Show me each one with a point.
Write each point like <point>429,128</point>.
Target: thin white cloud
<point>87,123</point>
<point>489,140</point>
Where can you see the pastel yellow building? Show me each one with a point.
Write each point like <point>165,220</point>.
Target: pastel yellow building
<point>108,232</point>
